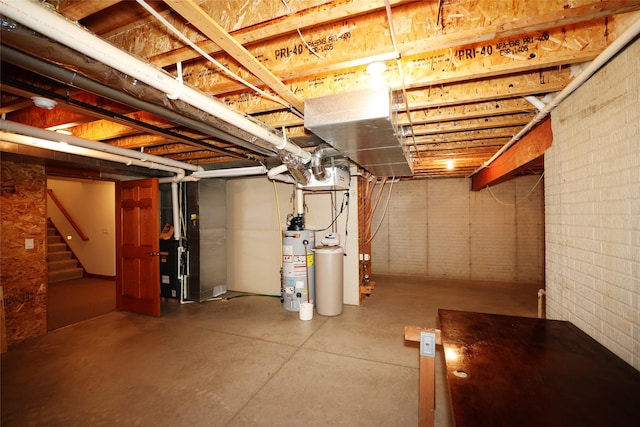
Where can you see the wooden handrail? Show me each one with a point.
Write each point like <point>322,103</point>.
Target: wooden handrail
<point>83,236</point>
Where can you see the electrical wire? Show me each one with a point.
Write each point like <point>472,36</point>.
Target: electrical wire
<point>384,212</point>
<point>346,224</point>
<point>204,54</point>
<point>342,206</point>
<point>500,202</point>
<point>401,72</point>
<point>312,50</point>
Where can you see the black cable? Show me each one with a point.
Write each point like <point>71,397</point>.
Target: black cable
<point>343,204</point>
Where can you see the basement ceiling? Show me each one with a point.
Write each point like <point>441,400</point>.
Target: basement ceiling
<point>465,75</point>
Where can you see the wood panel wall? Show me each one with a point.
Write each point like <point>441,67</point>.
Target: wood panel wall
<point>23,271</point>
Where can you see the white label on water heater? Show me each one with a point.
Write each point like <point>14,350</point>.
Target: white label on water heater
<point>287,269</point>
<point>287,250</point>
<point>299,271</point>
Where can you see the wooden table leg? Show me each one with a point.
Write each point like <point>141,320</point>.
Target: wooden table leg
<point>428,338</point>
<point>427,394</point>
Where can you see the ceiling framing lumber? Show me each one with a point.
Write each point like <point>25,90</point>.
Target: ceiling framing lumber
<point>527,150</point>
<point>203,22</point>
<point>465,75</point>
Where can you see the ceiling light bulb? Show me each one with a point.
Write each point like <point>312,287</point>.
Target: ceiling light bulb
<point>450,164</point>
<point>44,103</point>
<point>376,68</point>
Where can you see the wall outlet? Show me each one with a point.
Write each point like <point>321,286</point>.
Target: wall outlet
<point>28,243</point>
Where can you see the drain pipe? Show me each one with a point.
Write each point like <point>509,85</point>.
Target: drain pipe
<point>56,27</point>
<point>277,174</point>
<point>541,296</point>
<point>609,52</point>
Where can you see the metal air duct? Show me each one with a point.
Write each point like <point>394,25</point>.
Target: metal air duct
<point>359,125</point>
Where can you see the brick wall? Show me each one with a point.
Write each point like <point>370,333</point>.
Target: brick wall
<point>438,228</point>
<point>592,186</point>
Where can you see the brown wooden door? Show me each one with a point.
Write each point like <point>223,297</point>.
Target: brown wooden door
<point>138,246</point>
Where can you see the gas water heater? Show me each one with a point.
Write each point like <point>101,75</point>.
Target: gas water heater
<point>298,276</point>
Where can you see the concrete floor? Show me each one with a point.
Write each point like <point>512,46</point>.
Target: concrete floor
<point>244,361</point>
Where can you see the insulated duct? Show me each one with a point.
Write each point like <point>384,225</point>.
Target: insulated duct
<point>296,167</point>
<point>318,156</point>
<point>56,27</point>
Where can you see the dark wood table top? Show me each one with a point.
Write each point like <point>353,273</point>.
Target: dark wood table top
<point>534,372</point>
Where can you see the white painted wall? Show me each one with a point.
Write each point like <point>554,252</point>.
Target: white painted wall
<point>91,204</point>
<point>439,228</point>
<point>593,208</point>
<point>254,237</point>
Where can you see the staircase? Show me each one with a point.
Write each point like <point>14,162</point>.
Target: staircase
<point>62,264</point>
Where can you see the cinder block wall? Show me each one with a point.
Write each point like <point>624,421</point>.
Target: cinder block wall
<point>592,175</point>
<point>438,228</point>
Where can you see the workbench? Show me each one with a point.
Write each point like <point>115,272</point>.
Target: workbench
<point>519,371</point>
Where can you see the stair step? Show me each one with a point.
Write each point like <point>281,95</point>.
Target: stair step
<point>63,265</point>
<point>58,256</point>
<point>57,247</point>
<point>54,239</point>
<point>60,275</point>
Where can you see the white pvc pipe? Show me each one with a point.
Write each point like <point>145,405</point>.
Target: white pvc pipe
<point>230,172</point>
<point>56,27</point>
<point>277,174</point>
<point>616,46</point>
<point>273,172</point>
<point>14,127</point>
<point>86,152</point>
<point>287,179</point>
<point>299,202</point>
<point>535,102</point>
<point>177,229</point>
